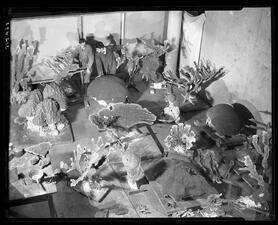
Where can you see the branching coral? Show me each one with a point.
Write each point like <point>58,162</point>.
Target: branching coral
<point>264,152</point>
<point>85,165</point>
<point>262,142</point>
<point>19,97</point>
<point>126,115</point>
<point>149,68</point>
<point>249,166</point>
<point>181,139</point>
<point>209,162</point>
<point>22,61</point>
<point>192,80</point>
<point>143,57</point>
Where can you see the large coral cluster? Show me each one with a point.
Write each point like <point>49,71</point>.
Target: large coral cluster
<point>43,110</point>
<point>143,57</point>
<point>191,81</point>
<point>22,60</point>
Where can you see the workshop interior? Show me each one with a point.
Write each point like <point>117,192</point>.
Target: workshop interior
<point>141,114</point>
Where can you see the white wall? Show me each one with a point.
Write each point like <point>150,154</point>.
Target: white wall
<point>241,41</point>
<point>144,23</point>
<point>101,24</point>
<point>53,34</point>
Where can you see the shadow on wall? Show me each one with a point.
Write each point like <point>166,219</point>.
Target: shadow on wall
<point>221,94</point>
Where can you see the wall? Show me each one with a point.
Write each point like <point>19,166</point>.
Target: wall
<point>144,23</point>
<point>192,28</point>
<point>102,24</point>
<point>241,41</point>
<point>53,34</point>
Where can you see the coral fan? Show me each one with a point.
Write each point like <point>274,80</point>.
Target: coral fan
<point>127,115</point>
<point>181,139</point>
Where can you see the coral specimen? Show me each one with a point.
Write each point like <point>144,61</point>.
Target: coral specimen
<point>62,64</point>
<point>84,160</point>
<point>248,202</point>
<point>262,142</point>
<point>102,123</point>
<point>35,96</point>
<point>133,168</point>
<point>172,111</point>
<point>143,57</point>
<point>46,112</point>
<point>51,112</point>
<point>55,92</point>
<point>27,110</point>
<point>47,118</point>
<point>209,161</point>
<point>19,97</point>
<point>249,166</point>
<point>190,80</point>
<point>264,152</point>
<point>181,139</point>
<point>39,118</point>
<point>149,67</point>
<point>22,61</point>
<point>214,206</point>
<point>127,115</point>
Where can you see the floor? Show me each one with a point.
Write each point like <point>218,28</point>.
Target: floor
<point>71,204</point>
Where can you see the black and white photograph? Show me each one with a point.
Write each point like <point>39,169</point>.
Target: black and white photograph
<point>149,113</point>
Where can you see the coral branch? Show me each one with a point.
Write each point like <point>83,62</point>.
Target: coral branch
<point>249,166</point>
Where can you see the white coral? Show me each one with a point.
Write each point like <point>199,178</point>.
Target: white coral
<point>249,202</point>
<point>181,138</point>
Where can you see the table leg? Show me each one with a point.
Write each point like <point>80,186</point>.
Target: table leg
<point>53,212</point>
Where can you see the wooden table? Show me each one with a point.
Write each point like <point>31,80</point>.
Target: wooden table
<point>21,193</point>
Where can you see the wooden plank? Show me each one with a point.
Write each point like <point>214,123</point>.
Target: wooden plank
<point>20,190</point>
